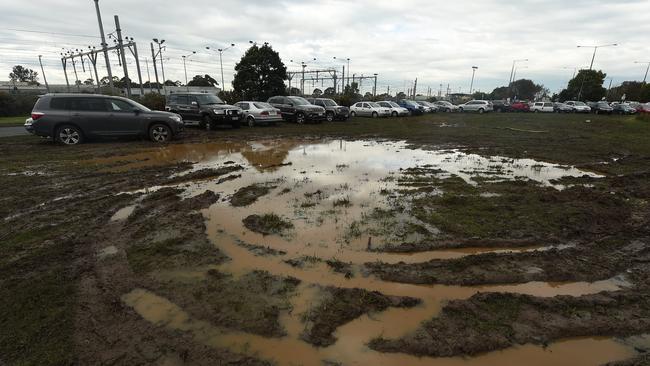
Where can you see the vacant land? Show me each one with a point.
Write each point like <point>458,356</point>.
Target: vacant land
<point>12,121</point>
<point>239,246</point>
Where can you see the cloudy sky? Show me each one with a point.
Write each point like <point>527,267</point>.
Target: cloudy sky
<point>437,42</point>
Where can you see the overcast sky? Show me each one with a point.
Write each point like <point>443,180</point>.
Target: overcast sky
<point>437,42</point>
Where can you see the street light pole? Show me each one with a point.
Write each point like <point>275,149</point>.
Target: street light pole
<point>593,57</point>
<point>185,68</point>
<point>348,71</point>
<point>47,87</point>
<point>636,62</point>
<point>471,86</point>
<point>221,50</point>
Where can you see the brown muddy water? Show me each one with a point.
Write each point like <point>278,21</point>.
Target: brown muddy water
<point>332,192</point>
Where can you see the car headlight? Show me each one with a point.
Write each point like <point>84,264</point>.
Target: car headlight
<point>219,111</point>
<point>176,118</point>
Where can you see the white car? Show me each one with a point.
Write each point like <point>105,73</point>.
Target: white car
<point>395,109</point>
<point>480,106</point>
<point>542,107</point>
<point>445,106</point>
<point>369,109</point>
<point>255,113</point>
<point>578,107</point>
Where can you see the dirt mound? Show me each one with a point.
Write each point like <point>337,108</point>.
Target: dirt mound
<point>343,305</point>
<point>267,224</point>
<point>204,174</point>
<point>490,321</point>
<point>249,194</point>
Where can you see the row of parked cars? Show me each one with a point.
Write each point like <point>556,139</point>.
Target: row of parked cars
<point>71,118</point>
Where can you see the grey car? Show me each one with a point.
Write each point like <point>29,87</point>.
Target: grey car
<point>446,106</point>
<point>480,106</point>
<point>255,113</point>
<point>72,118</point>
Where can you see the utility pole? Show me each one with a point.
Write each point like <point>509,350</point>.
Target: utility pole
<point>646,70</point>
<point>302,81</point>
<point>104,45</point>
<point>471,87</point>
<point>343,80</point>
<point>155,69</point>
<point>185,68</point>
<point>137,64</point>
<point>388,90</point>
<point>146,62</point>
<point>593,57</point>
<point>76,77</point>
<point>122,55</point>
<point>374,89</point>
<point>415,87</point>
<point>47,87</point>
<point>65,72</point>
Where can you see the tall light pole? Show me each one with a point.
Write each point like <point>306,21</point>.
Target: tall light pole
<point>595,49</point>
<point>47,87</point>
<point>512,70</point>
<point>185,68</point>
<point>104,46</point>
<point>471,86</point>
<point>160,47</point>
<point>348,72</point>
<point>220,50</point>
<point>636,62</point>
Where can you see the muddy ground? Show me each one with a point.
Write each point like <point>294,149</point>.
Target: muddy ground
<point>66,264</point>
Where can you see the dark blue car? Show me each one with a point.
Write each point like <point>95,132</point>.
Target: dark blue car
<point>413,107</point>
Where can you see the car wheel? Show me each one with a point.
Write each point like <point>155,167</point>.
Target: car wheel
<point>481,111</point>
<point>251,121</point>
<point>353,114</point>
<point>329,117</point>
<point>536,110</point>
<point>394,114</point>
<point>206,121</point>
<point>375,115</point>
<point>69,135</point>
<point>461,110</point>
<point>300,118</point>
<point>159,132</point>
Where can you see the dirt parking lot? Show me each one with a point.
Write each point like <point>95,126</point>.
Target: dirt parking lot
<point>450,239</point>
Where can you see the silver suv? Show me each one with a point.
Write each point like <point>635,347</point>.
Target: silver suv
<point>72,118</point>
<point>480,106</point>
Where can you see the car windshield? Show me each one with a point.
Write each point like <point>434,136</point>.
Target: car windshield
<point>444,103</point>
<point>139,106</point>
<point>208,99</point>
<point>261,105</point>
<point>394,105</point>
<point>329,102</point>
<point>374,105</point>
<point>411,103</point>
<point>299,101</point>
<point>579,103</point>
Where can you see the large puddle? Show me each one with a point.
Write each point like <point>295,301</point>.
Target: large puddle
<point>337,195</point>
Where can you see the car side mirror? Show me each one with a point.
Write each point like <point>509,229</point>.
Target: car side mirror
<point>195,103</point>
<point>136,111</point>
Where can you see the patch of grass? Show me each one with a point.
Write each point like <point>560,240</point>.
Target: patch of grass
<point>169,253</point>
<point>12,121</point>
<point>266,224</point>
<point>343,202</point>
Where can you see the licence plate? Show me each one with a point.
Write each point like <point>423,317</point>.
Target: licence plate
<point>235,118</point>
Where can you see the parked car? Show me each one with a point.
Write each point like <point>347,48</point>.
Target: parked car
<point>333,111</point>
<point>255,113</point>
<point>500,106</point>
<point>297,109</point>
<point>445,106</point>
<point>206,110</point>
<point>601,107</point>
<point>519,107</point>
<point>578,107</point>
<point>72,118</point>
<point>413,107</point>
<point>643,108</point>
<point>562,108</point>
<point>369,109</point>
<point>428,107</point>
<point>546,107</point>
<point>395,109</point>
<point>480,106</point>
<point>623,108</point>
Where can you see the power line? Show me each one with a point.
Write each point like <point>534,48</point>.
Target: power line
<point>53,33</point>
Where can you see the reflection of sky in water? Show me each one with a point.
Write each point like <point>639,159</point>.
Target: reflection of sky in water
<point>371,161</point>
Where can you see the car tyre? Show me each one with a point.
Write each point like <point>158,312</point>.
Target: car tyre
<point>353,114</point>
<point>461,110</point>
<point>205,122</point>
<point>69,135</point>
<point>250,121</point>
<point>300,118</point>
<point>159,132</point>
<point>375,115</point>
<point>394,114</point>
<point>329,117</point>
<point>481,111</point>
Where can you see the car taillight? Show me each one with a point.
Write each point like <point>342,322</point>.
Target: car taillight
<point>265,113</point>
<point>37,115</point>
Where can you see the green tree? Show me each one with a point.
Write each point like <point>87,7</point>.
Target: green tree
<point>499,93</point>
<point>23,74</point>
<point>329,91</point>
<point>586,85</point>
<point>205,80</point>
<point>260,74</point>
<point>631,89</point>
<point>173,83</point>
<point>400,96</point>
<point>524,89</point>
<point>89,81</point>
<point>230,96</point>
<point>317,92</point>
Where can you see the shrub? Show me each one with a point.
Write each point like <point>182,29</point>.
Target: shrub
<point>153,101</point>
<point>16,105</point>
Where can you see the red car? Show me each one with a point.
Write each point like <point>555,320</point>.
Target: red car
<point>519,107</point>
<point>643,108</point>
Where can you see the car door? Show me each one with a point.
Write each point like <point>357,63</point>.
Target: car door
<point>124,118</point>
<point>194,108</point>
<point>90,115</point>
<point>366,109</point>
